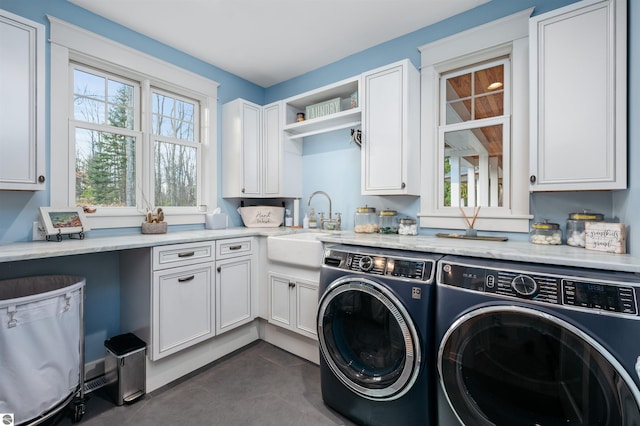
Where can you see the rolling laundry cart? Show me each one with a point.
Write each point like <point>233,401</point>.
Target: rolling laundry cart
<point>42,347</point>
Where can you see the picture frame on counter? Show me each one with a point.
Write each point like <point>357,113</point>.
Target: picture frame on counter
<point>63,221</point>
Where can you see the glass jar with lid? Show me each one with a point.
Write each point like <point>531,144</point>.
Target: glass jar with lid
<point>366,220</point>
<point>575,226</point>
<point>408,226</point>
<point>388,222</point>
<point>546,233</point>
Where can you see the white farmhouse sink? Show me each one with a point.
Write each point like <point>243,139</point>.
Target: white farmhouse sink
<point>301,249</point>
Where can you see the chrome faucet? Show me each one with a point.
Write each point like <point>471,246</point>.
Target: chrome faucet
<point>323,221</point>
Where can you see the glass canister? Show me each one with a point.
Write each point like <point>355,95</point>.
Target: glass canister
<point>575,226</point>
<point>388,222</point>
<point>408,226</point>
<point>546,233</point>
<point>366,220</point>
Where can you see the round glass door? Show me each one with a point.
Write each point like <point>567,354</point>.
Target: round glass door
<point>518,366</point>
<point>368,339</point>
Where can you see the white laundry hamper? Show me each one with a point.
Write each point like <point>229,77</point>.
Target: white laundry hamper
<point>42,347</point>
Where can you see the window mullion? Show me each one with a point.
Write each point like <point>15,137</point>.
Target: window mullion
<point>145,164</point>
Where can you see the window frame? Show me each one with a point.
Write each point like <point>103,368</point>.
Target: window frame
<point>474,123</point>
<point>73,44</point>
<point>503,37</point>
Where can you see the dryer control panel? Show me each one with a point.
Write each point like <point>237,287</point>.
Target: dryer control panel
<point>591,291</point>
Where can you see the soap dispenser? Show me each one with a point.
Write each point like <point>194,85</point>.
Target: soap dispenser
<point>305,221</point>
<point>313,221</point>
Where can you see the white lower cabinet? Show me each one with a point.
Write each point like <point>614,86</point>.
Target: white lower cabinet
<point>182,306</point>
<point>235,294</point>
<point>293,302</point>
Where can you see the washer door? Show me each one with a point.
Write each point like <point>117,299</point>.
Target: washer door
<point>508,365</point>
<point>368,339</point>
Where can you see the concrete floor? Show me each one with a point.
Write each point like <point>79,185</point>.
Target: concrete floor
<point>258,385</point>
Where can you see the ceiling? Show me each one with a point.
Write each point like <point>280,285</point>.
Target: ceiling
<point>270,41</point>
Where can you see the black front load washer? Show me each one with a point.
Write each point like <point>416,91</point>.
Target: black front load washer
<point>526,344</point>
<point>375,332</point>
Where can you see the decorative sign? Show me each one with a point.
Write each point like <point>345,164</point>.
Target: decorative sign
<point>604,236</point>
<point>321,109</point>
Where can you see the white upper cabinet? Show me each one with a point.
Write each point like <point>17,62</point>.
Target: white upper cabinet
<point>22,97</point>
<point>258,160</point>
<point>391,130</point>
<point>578,97</point>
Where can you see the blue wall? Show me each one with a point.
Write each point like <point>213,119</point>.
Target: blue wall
<point>331,163</point>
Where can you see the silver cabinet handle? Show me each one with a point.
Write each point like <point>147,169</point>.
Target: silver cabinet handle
<point>185,279</point>
<point>186,254</point>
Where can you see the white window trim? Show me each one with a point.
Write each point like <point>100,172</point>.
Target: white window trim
<point>504,36</point>
<point>69,42</point>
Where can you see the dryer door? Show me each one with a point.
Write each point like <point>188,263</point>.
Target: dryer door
<point>368,339</point>
<point>509,365</point>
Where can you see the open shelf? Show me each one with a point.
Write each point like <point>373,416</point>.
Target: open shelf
<point>340,120</point>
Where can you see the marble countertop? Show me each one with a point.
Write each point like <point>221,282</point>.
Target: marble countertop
<point>523,251</point>
<point>508,250</point>
<point>10,252</point>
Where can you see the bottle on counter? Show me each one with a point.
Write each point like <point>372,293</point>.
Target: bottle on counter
<point>288,220</point>
<point>305,221</point>
<point>313,220</point>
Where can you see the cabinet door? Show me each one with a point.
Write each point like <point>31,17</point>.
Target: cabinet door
<point>251,139</point>
<point>182,308</point>
<point>271,148</point>
<point>241,156</point>
<point>390,147</point>
<point>22,103</point>
<point>306,293</point>
<point>280,301</point>
<point>578,95</point>
<point>233,293</point>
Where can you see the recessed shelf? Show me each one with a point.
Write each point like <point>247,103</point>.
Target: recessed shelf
<point>340,120</point>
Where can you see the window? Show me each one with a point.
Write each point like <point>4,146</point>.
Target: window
<point>128,132</point>
<point>474,107</point>
<point>474,131</point>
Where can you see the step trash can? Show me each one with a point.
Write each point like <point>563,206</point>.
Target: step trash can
<point>42,347</point>
<point>125,368</point>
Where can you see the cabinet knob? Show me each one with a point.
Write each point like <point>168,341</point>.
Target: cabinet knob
<point>404,185</point>
<point>292,284</point>
<point>219,269</point>
<point>242,190</point>
<point>532,178</point>
<point>41,179</point>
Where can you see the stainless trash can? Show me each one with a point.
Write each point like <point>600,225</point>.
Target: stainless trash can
<point>125,368</point>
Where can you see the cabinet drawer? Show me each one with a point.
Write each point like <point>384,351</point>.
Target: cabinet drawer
<point>233,247</point>
<point>182,254</point>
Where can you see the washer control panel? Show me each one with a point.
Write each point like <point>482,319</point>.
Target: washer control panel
<point>378,264</point>
<point>582,292</point>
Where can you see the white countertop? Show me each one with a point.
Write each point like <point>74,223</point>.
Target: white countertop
<point>508,250</point>
<point>523,251</point>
